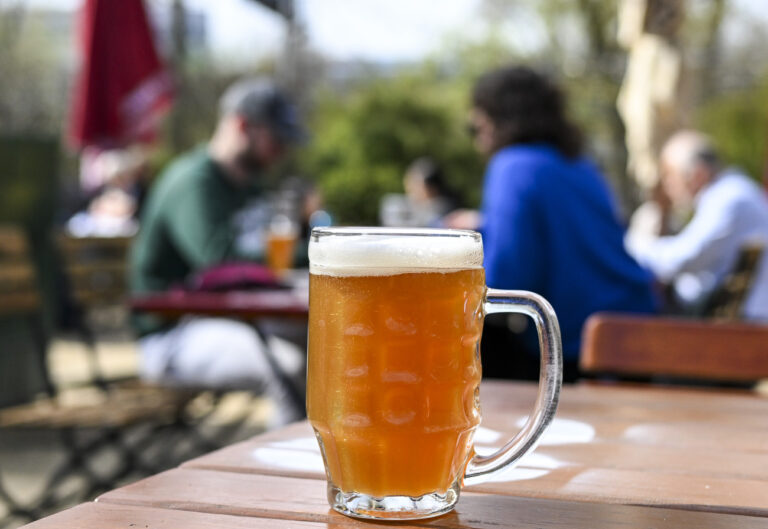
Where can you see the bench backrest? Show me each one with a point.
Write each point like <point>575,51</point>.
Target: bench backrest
<point>660,346</point>
<point>19,291</point>
<point>96,268</point>
<point>727,301</point>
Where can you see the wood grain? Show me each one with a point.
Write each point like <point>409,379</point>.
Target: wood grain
<point>705,433</point>
<point>701,449</point>
<point>616,456</point>
<point>685,480</point>
<point>302,458</point>
<point>104,515</point>
<point>500,396</point>
<point>301,499</point>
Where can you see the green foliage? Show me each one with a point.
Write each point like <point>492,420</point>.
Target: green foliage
<point>31,101</point>
<point>362,145</point>
<point>738,124</point>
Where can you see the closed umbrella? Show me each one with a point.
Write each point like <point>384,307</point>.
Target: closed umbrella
<point>123,88</point>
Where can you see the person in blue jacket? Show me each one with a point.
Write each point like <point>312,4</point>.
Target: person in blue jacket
<point>549,221</point>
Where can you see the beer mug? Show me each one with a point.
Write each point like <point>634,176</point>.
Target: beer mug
<point>394,369</point>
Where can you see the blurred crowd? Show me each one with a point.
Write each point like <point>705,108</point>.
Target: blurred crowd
<point>549,221</point>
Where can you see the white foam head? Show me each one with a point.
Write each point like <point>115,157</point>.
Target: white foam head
<point>387,251</point>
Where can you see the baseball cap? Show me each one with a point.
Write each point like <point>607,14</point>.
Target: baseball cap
<point>259,101</point>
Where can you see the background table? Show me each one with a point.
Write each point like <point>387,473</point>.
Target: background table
<point>236,304</point>
<point>279,311</point>
<point>615,456</point>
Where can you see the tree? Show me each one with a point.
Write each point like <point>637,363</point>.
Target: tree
<point>363,144</point>
<point>738,124</point>
<point>574,41</point>
<point>32,77</point>
<point>579,41</point>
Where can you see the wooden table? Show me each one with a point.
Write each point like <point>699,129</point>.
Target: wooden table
<point>237,304</point>
<point>616,456</point>
<point>285,307</point>
<point>290,301</point>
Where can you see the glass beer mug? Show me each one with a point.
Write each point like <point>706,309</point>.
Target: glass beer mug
<point>394,370</point>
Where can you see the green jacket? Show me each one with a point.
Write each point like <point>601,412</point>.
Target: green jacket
<point>188,224</point>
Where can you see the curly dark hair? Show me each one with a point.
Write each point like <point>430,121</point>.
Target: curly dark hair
<point>526,107</point>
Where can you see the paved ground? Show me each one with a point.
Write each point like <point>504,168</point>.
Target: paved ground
<point>26,457</point>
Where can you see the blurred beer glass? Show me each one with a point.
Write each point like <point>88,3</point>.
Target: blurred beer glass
<point>395,320</point>
<point>282,234</point>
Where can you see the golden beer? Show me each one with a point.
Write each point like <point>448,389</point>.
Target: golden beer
<point>280,250</point>
<point>393,373</point>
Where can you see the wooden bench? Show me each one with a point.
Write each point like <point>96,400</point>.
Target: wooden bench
<point>94,273</point>
<point>646,346</point>
<point>96,268</point>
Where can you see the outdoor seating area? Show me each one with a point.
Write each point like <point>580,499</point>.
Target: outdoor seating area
<point>93,407</point>
<point>299,263</point>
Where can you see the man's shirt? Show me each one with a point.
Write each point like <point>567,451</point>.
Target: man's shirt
<point>730,212</point>
<point>194,218</point>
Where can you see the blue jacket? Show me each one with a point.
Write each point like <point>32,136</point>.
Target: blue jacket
<point>551,226</point>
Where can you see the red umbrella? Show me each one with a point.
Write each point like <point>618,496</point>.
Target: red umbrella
<point>123,89</point>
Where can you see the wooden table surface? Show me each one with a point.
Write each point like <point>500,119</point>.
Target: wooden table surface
<point>616,456</point>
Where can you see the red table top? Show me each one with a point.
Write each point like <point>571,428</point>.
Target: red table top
<point>292,303</point>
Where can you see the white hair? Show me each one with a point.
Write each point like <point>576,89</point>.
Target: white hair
<point>687,149</point>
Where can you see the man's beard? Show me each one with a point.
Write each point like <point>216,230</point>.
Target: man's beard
<point>248,162</point>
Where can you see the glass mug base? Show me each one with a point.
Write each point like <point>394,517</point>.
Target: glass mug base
<point>363,506</point>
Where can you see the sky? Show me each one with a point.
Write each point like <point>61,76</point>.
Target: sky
<point>241,31</point>
<point>391,30</point>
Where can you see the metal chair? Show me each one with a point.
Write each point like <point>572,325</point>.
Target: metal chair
<point>85,426</point>
<point>727,301</point>
<point>94,274</point>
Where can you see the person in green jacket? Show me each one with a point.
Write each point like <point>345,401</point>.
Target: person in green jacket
<point>204,210</point>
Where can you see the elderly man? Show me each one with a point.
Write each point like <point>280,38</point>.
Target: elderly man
<point>729,211</point>
<point>194,219</point>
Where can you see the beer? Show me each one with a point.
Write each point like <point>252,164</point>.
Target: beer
<point>280,249</point>
<point>394,364</point>
<point>282,234</point>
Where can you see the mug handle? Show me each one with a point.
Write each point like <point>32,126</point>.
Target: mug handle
<point>480,468</point>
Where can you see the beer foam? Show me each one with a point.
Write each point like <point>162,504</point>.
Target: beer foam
<point>389,251</point>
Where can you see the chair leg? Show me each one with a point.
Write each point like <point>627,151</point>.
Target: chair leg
<point>88,339</point>
<point>41,347</point>
<point>13,507</point>
<point>294,391</point>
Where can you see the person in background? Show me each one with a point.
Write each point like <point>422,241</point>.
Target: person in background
<point>427,192</point>
<point>729,211</point>
<point>427,197</point>
<point>111,208</point>
<point>193,220</point>
<point>548,220</point>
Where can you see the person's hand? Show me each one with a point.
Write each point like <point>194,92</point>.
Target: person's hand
<point>661,197</point>
<point>463,219</point>
<point>113,202</point>
<point>664,202</point>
